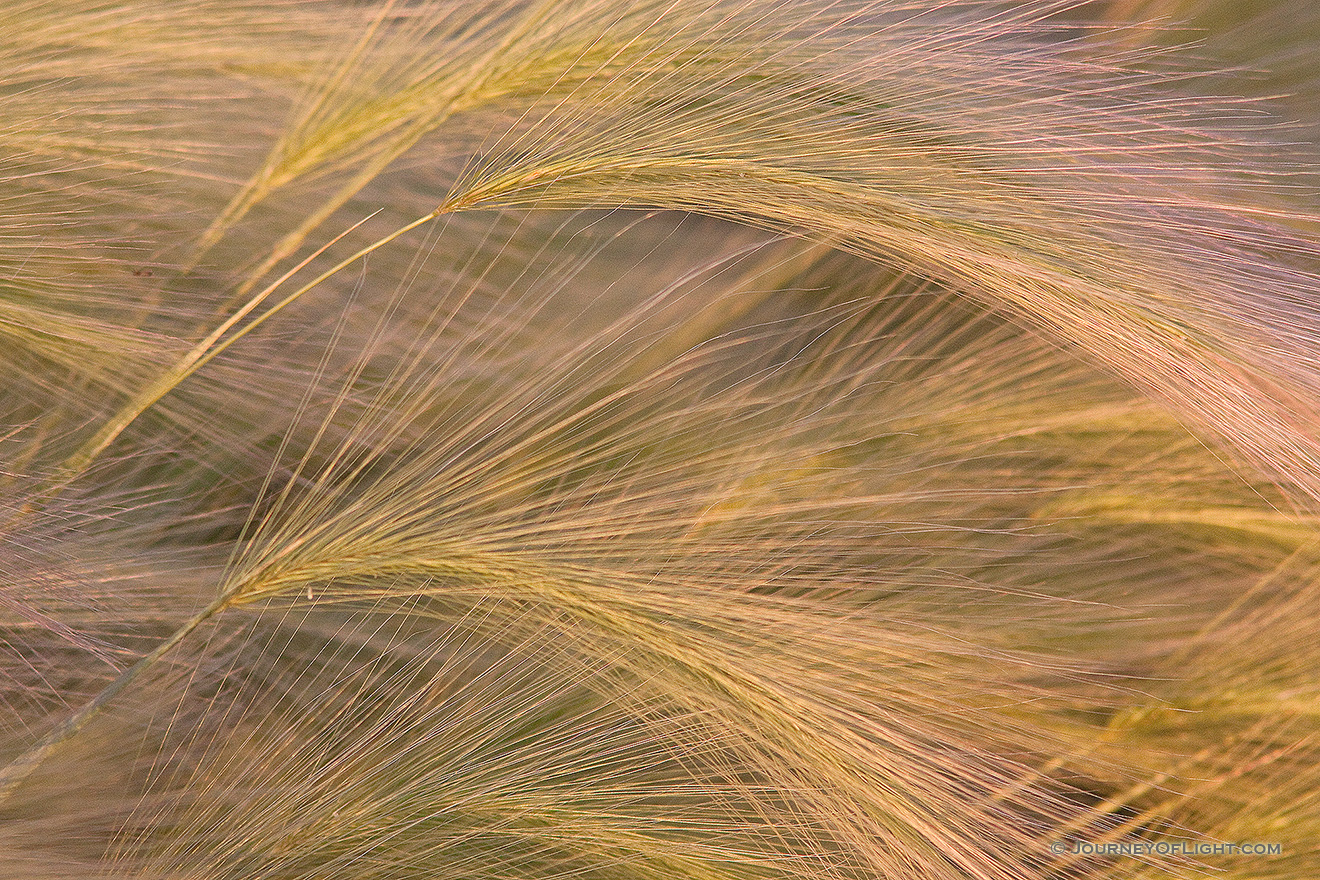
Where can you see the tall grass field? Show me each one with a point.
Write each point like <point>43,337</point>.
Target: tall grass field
<point>659,439</point>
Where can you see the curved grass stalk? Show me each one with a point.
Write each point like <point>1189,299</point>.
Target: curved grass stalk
<point>632,547</point>
<point>206,350</point>
<point>215,344</point>
<point>259,186</point>
<point>13,774</point>
<point>1132,332</point>
<point>869,787</point>
<point>454,96</point>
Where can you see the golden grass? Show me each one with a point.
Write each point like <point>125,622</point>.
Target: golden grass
<point>649,440</point>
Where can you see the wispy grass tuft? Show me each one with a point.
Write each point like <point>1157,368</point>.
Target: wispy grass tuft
<point>722,440</point>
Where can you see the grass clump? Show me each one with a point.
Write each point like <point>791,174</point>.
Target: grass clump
<point>629,441</point>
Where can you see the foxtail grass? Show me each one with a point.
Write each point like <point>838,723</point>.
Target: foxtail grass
<point>645,440</point>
